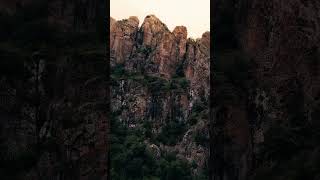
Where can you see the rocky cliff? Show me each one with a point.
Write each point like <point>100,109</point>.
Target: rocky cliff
<point>266,75</point>
<point>161,78</point>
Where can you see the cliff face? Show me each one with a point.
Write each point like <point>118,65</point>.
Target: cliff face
<point>163,51</point>
<point>161,78</point>
<point>279,44</point>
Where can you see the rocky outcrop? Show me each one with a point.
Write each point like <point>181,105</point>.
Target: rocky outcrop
<point>152,49</point>
<point>161,43</point>
<point>152,30</point>
<point>122,39</point>
<point>162,77</point>
<point>196,65</point>
<point>180,34</point>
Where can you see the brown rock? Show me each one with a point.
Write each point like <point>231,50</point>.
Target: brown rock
<point>180,33</point>
<point>158,53</point>
<point>152,28</point>
<point>196,67</point>
<point>122,38</point>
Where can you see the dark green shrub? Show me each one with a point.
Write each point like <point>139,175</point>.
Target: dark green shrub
<point>118,70</point>
<point>184,83</point>
<point>156,84</point>
<point>146,50</point>
<point>193,120</point>
<point>201,138</point>
<point>147,127</point>
<point>173,168</point>
<point>198,107</point>
<point>179,71</point>
<point>172,132</point>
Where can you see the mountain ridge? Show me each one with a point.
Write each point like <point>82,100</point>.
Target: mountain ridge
<point>154,16</point>
<point>160,85</point>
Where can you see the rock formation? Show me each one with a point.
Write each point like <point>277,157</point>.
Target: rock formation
<point>161,77</point>
<point>122,38</point>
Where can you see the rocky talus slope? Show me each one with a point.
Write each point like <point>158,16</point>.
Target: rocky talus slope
<point>161,78</point>
<point>267,90</point>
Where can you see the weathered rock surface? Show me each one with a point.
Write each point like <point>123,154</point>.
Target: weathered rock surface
<point>180,34</point>
<point>196,65</point>
<point>164,78</point>
<point>152,49</point>
<point>122,38</point>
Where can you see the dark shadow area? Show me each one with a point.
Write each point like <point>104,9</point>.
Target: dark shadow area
<point>264,93</point>
<point>53,90</point>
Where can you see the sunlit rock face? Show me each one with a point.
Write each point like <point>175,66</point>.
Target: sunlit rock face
<point>152,48</point>
<point>180,34</point>
<point>165,77</point>
<point>122,38</point>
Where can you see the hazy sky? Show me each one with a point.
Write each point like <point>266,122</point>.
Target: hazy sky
<point>194,14</point>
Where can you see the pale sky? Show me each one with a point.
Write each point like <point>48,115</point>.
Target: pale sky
<point>194,14</point>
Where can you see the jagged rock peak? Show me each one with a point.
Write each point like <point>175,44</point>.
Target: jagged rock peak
<point>134,18</point>
<point>134,21</point>
<point>180,32</point>
<point>205,39</point>
<point>122,37</point>
<point>152,26</point>
<point>151,17</point>
<point>151,21</point>
<point>112,22</point>
<point>206,35</point>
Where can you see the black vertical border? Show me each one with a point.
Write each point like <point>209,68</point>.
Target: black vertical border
<point>107,38</point>
<point>212,45</point>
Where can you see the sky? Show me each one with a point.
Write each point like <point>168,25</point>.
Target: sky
<point>194,14</point>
